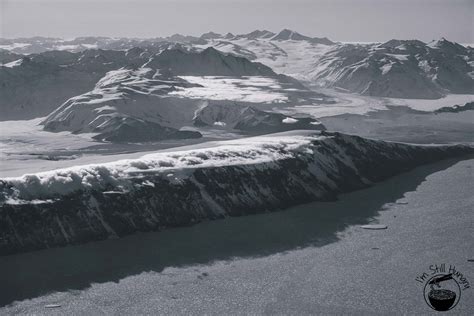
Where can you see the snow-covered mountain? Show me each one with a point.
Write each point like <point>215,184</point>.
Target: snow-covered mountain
<point>209,62</point>
<point>253,35</point>
<point>35,85</point>
<point>397,68</point>
<point>171,189</point>
<point>123,107</point>
<point>157,99</point>
<point>36,45</point>
<point>400,69</point>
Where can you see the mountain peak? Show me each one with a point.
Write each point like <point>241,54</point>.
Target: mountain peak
<point>446,45</point>
<point>260,34</point>
<point>179,38</point>
<point>211,51</point>
<point>256,34</point>
<point>210,35</point>
<point>287,34</point>
<point>393,43</point>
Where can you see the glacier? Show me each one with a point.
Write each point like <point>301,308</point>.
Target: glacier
<point>179,188</point>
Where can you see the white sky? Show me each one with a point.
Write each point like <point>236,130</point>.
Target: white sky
<point>341,20</point>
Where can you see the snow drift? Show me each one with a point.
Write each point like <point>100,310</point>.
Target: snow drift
<point>170,189</point>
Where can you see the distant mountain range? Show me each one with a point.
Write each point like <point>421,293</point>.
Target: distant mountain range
<point>34,45</point>
<point>116,87</point>
<point>397,68</point>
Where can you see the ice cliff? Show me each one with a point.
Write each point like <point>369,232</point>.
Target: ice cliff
<point>171,189</point>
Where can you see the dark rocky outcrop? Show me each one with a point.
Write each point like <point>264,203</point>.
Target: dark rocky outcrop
<point>456,109</point>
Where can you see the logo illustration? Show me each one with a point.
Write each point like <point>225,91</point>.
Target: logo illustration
<point>443,286</point>
<point>442,292</point>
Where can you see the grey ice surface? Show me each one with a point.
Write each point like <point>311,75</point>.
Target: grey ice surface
<point>311,259</point>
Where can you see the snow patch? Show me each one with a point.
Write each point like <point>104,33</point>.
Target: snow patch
<point>253,89</point>
<point>14,63</point>
<point>289,120</point>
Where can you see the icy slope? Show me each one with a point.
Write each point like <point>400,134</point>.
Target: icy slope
<point>93,202</point>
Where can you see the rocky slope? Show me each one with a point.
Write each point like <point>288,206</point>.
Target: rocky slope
<point>157,191</point>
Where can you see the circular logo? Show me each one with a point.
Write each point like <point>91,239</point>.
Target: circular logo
<point>442,292</point>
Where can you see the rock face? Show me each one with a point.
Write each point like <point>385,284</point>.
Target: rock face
<point>94,202</point>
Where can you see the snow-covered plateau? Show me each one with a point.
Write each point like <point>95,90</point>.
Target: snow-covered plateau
<point>170,189</point>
